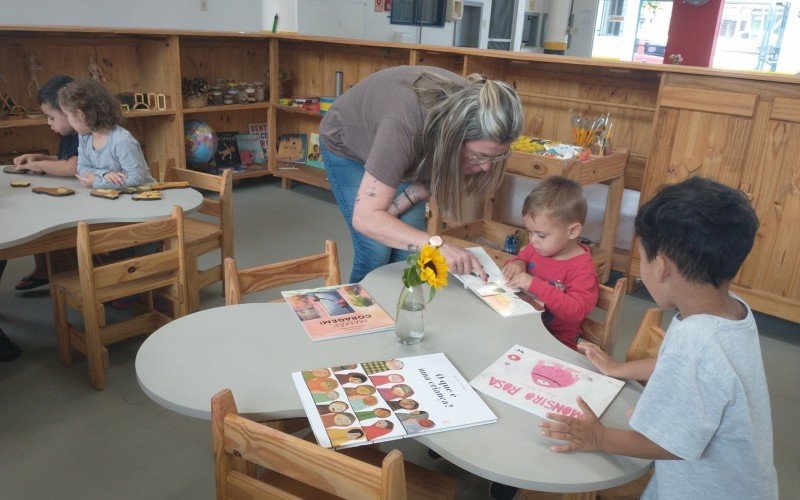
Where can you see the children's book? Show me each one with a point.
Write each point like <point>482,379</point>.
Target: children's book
<point>293,148</point>
<point>377,401</point>
<point>250,150</point>
<point>314,156</point>
<point>262,131</point>
<point>337,311</point>
<point>541,384</point>
<point>505,300</point>
<point>227,149</point>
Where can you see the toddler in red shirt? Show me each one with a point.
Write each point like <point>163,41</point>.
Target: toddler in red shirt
<point>555,266</point>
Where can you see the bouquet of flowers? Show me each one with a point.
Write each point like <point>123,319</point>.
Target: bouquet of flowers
<point>426,266</point>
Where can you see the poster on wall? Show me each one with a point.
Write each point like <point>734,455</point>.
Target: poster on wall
<point>378,5</point>
<point>387,5</point>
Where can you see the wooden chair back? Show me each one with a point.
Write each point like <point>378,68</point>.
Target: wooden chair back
<point>648,338</point>
<point>604,333</point>
<point>323,265</point>
<point>239,442</point>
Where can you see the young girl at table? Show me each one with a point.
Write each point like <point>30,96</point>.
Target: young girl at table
<point>555,266</point>
<point>108,155</point>
<point>704,415</point>
<point>63,163</point>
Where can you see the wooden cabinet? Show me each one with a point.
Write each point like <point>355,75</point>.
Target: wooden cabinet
<point>745,134</point>
<point>742,129</point>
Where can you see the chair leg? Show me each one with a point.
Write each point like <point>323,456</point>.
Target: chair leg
<point>192,285</point>
<point>95,356</point>
<point>63,344</point>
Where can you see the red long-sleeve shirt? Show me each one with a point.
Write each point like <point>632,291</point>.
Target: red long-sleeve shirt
<point>569,289</point>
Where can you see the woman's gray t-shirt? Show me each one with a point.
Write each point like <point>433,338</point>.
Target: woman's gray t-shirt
<point>379,122</point>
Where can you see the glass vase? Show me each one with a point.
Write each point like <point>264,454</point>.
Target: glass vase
<point>410,320</point>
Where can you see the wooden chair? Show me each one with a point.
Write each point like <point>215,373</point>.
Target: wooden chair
<point>604,334</point>
<point>648,338</point>
<point>296,468</point>
<point>203,236</point>
<point>323,265</point>
<point>91,286</point>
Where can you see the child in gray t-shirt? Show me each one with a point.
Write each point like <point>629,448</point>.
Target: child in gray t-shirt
<point>108,155</point>
<point>704,415</point>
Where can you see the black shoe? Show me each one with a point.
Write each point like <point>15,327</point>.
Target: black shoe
<point>8,351</point>
<point>502,492</point>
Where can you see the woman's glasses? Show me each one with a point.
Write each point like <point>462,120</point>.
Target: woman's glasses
<point>475,159</point>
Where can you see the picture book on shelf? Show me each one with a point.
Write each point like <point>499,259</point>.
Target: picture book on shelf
<point>314,157</point>
<point>337,311</point>
<point>227,149</point>
<point>262,131</point>
<point>250,151</point>
<point>375,401</point>
<point>541,384</point>
<point>293,148</point>
<point>506,301</point>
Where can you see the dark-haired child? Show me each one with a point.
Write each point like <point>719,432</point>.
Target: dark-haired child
<point>555,266</point>
<point>108,155</point>
<point>704,415</point>
<point>63,163</point>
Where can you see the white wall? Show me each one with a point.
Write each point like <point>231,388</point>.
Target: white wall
<point>358,19</point>
<point>222,15</point>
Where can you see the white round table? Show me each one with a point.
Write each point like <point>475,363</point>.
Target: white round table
<point>29,218</point>
<point>252,349</point>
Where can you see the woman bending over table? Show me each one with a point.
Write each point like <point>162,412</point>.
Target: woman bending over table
<point>403,134</point>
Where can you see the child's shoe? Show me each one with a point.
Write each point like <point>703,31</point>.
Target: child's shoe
<point>8,350</point>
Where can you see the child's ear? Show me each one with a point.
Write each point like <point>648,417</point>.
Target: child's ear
<point>574,230</point>
<point>663,268</point>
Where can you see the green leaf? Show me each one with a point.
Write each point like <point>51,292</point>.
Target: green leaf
<point>432,294</point>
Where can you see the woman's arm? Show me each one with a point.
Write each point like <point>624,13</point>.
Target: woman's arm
<point>371,217</point>
<point>412,194</point>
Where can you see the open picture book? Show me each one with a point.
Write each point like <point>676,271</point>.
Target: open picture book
<point>505,300</point>
<point>337,311</point>
<point>377,401</point>
<point>541,384</point>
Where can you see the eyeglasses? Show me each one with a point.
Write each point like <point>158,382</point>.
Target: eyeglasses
<point>475,159</point>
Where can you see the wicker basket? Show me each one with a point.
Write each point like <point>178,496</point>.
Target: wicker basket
<point>195,101</point>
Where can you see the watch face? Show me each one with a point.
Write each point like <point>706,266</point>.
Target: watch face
<point>435,241</point>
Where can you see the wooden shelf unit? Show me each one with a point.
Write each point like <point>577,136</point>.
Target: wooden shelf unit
<point>675,121</point>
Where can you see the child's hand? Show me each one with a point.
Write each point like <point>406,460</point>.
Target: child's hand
<point>31,165</point>
<point>86,180</point>
<point>115,177</point>
<point>584,434</point>
<point>513,268</point>
<point>521,280</point>
<point>21,160</point>
<point>599,358</point>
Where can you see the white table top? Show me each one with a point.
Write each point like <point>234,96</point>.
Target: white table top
<point>27,215</point>
<point>253,348</point>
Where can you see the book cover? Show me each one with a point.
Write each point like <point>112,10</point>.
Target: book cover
<point>541,384</point>
<point>293,148</point>
<point>314,157</point>
<point>375,401</point>
<point>262,131</point>
<point>506,301</point>
<point>227,149</point>
<point>337,311</point>
<point>250,150</point>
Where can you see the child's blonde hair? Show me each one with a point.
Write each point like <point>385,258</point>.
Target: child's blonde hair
<point>557,197</point>
<point>101,109</point>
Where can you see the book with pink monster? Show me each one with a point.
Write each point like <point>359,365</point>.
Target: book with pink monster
<point>540,384</point>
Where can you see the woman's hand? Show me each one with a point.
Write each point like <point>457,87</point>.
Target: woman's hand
<point>461,261</point>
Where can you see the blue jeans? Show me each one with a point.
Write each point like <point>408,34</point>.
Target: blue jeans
<point>345,177</point>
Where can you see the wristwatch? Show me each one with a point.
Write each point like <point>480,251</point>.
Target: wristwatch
<point>435,241</point>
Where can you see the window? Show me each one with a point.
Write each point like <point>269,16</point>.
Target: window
<point>727,28</point>
<point>613,16</point>
<point>418,12</point>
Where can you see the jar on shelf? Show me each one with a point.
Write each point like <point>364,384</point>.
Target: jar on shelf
<point>231,96</point>
<point>261,95</point>
<point>215,97</point>
<point>250,92</point>
<point>242,93</point>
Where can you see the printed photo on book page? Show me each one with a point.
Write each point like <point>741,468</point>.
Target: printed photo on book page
<point>377,401</point>
<point>541,384</point>
<point>505,300</point>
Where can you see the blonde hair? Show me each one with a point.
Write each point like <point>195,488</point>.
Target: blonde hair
<point>102,110</point>
<point>478,110</point>
<point>557,197</point>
